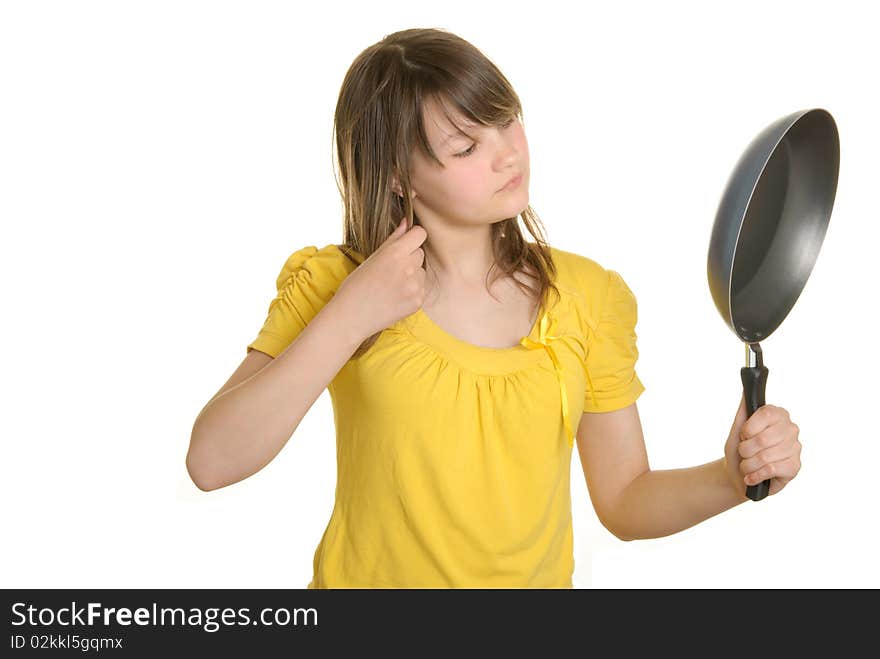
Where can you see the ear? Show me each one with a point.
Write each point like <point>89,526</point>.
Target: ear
<point>395,185</point>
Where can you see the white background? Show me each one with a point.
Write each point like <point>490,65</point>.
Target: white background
<point>160,160</point>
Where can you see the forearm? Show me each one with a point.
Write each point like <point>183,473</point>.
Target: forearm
<point>662,502</point>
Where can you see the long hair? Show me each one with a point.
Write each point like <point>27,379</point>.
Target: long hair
<point>379,123</point>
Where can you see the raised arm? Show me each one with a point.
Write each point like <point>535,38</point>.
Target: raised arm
<point>243,428</point>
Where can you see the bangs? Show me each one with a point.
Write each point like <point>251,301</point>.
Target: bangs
<point>466,106</point>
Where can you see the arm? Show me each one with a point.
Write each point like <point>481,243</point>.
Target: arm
<point>632,501</point>
<point>242,429</point>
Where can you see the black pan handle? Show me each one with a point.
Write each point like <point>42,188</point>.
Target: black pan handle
<point>754,379</point>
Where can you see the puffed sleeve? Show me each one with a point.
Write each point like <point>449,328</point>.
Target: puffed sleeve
<point>307,281</point>
<point>612,382</point>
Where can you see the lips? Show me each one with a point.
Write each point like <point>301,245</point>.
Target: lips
<point>511,180</point>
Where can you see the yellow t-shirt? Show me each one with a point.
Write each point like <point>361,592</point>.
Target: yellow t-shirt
<point>453,460</point>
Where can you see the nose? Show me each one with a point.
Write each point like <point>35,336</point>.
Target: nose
<point>508,153</point>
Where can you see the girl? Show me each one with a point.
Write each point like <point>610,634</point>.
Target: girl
<point>457,396</point>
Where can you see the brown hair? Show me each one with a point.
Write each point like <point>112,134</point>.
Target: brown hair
<point>379,122</point>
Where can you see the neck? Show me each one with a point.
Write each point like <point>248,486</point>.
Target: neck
<point>461,256</point>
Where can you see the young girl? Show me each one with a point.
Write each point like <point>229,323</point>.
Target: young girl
<point>457,396</point>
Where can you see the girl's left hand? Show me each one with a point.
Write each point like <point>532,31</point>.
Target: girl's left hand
<point>764,445</point>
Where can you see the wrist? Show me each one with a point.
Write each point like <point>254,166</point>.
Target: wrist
<point>734,481</point>
<point>347,323</point>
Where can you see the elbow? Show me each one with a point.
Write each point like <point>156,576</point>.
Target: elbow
<point>616,530</point>
<point>197,474</point>
<point>202,485</point>
<point>200,464</point>
<point>199,481</point>
<point>621,536</point>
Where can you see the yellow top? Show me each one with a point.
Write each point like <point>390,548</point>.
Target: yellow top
<point>453,460</point>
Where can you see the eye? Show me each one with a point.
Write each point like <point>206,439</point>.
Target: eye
<point>465,154</point>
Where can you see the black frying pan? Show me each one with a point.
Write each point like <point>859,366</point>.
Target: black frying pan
<point>768,230</point>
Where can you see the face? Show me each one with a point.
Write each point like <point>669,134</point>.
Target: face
<point>469,189</point>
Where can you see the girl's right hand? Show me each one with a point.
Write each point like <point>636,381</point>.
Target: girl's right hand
<point>389,284</point>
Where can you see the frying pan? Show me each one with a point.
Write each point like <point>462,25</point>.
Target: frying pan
<point>767,233</point>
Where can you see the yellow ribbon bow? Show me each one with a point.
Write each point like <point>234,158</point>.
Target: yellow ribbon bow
<point>545,327</point>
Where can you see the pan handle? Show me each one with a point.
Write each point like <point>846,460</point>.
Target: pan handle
<point>754,380</point>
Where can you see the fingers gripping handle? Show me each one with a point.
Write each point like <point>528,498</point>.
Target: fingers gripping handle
<point>754,379</point>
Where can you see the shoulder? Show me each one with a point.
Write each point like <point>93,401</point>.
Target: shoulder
<point>325,267</point>
<point>582,275</point>
<point>577,266</point>
<point>603,290</point>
